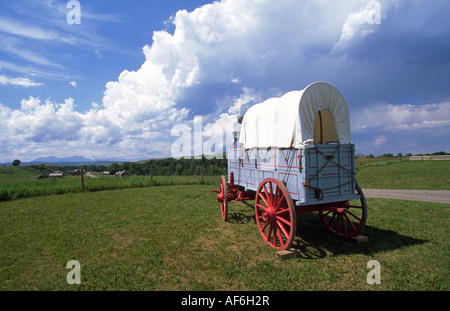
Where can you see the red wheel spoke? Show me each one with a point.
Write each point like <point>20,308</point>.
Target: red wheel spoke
<point>283,199</point>
<point>286,234</point>
<point>350,222</point>
<point>264,199</point>
<point>332,218</point>
<point>354,216</point>
<point>280,238</point>
<point>262,206</point>
<point>259,217</point>
<point>327,213</point>
<point>271,194</point>
<point>265,226</point>
<point>338,219</point>
<point>284,220</point>
<point>276,220</point>
<point>274,231</point>
<point>344,225</point>
<point>283,211</point>
<point>269,234</point>
<point>266,192</point>
<point>279,197</point>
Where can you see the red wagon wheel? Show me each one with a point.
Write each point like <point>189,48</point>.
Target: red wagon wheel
<point>346,219</point>
<point>275,214</point>
<point>222,198</point>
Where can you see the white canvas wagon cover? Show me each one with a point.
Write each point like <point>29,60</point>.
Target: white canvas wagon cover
<point>291,120</point>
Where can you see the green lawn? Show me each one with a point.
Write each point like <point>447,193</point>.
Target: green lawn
<point>173,238</point>
<point>415,175</point>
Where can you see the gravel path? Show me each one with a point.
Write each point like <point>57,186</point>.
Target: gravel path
<point>438,196</point>
<point>89,174</point>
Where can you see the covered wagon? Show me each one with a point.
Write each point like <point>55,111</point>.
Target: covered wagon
<point>294,156</point>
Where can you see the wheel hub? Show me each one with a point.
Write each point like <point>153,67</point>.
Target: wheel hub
<point>341,210</point>
<point>220,197</point>
<point>269,215</point>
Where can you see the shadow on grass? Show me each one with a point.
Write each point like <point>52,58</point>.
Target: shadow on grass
<point>314,241</point>
<point>311,234</point>
<point>241,217</point>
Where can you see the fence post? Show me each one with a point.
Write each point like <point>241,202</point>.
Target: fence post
<point>151,175</point>
<point>202,173</point>
<point>82,178</point>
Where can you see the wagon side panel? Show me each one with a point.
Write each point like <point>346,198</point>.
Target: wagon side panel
<point>233,165</point>
<point>290,170</point>
<point>329,173</point>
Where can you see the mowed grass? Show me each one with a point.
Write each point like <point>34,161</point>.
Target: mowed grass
<point>414,175</point>
<point>173,238</point>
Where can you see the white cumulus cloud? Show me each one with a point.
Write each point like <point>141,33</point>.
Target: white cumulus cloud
<point>225,56</point>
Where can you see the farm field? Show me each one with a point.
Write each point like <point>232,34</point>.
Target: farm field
<point>414,175</point>
<point>173,238</point>
<point>17,183</point>
<point>21,182</point>
<point>21,173</point>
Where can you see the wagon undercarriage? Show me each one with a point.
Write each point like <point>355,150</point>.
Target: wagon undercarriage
<point>276,213</point>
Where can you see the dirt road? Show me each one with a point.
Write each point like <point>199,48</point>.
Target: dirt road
<point>89,174</point>
<point>438,196</point>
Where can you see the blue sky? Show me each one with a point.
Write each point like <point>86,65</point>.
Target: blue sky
<point>116,85</point>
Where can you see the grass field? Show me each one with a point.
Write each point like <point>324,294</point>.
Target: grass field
<point>173,238</point>
<point>17,183</point>
<point>12,173</point>
<point>415,175</point>
<point>21,182</point>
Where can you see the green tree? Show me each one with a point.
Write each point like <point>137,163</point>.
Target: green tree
<point>114,168</point>
<point>16,162</point>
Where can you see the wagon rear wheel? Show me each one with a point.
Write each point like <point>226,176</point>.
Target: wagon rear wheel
<point>222,198</point>
<point>346,219</point>
<point>275,214</point>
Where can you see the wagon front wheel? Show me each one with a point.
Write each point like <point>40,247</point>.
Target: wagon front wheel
<point>222,198</point>
<point>275,214</point>
<point>346,219</point>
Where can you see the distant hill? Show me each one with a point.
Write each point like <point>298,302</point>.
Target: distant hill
<point>74,160</point>
<point>53,159</point>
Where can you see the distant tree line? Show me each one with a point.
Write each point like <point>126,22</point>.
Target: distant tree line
<point>160,167</point>
<point>400,155</point>
<point>169,166</point>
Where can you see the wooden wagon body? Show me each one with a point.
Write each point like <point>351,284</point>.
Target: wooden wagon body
<point>294,156</point>
<point>312,176</point>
